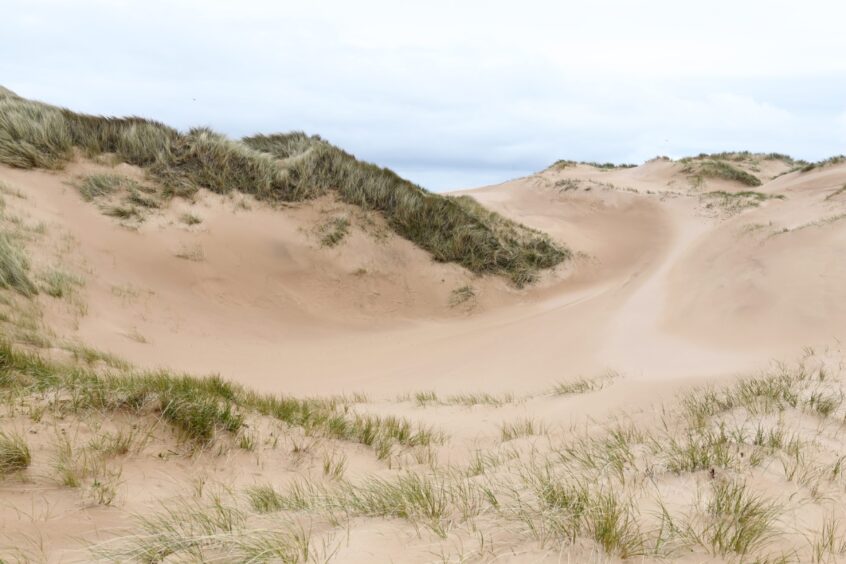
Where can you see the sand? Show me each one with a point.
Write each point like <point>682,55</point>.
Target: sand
<point>667,288</point>
<point>662,287</point>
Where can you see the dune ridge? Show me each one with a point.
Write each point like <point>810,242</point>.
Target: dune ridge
<point>278,168</point>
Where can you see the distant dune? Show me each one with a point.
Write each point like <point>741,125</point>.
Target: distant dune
<point>510,373</point>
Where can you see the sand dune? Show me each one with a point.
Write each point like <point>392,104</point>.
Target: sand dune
<point>664,286</point>
<point>677,281</point>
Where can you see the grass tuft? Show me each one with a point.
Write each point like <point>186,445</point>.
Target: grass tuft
<point>265,499</point>
<point>524,427</point>
<point>101,185</point>
<point>59,284</point>
<point>198,418</point>
<point>14,266</point>
<point>461,295</point>
<point>124,212</point>
<point>333,231</point>
<point>736,520</point>
<point>190,219</point>
<point>14,453</point>
<point>584,385</point>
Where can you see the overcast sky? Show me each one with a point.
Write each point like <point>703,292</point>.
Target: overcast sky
<point>452,94</point>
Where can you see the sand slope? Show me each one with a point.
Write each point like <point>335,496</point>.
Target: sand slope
<point>666,285</point>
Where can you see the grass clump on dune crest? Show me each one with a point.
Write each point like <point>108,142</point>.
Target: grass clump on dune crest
<point>33,135</point>
<point>36,135</point>
<point>451,229</point>
<point>748,156</point>
<point>710,168</point>
<point>564,163</point>
<point>831,161</point>
<point>279,168</point>
<point>203,158</point>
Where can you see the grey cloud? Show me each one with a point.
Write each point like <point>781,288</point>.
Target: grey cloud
<point>450,97</point>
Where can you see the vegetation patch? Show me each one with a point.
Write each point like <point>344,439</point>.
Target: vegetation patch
<point>567,184</point>
<point>746,156</point>
<point>584,385</point>
<point>734,202</point>
<point>333,231</point>
<point>138,198</point>
<point>100,185</point>
<point>597,491</point>
<point>91,357</point>
<point>198,407</point>
<point>523,427</point>
<point>461,296</point>
<point>190,219</point>
<point>451,229</point>
<point>212,531</point>
<point>424,399</point>
<point>118,196</point>
<point>831,161</point>
<point>736,520</point>
<point>124,212</point>
<point>431,500</point>
<point>710,168</point>
<point>59,284</point>
<point>563,163</point>
<point>14,453</point>
<point>14,266</point>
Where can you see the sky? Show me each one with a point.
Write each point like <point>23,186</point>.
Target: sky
<point>452,94</point>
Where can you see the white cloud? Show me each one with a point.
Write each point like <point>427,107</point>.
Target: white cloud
<point>450,92</point>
